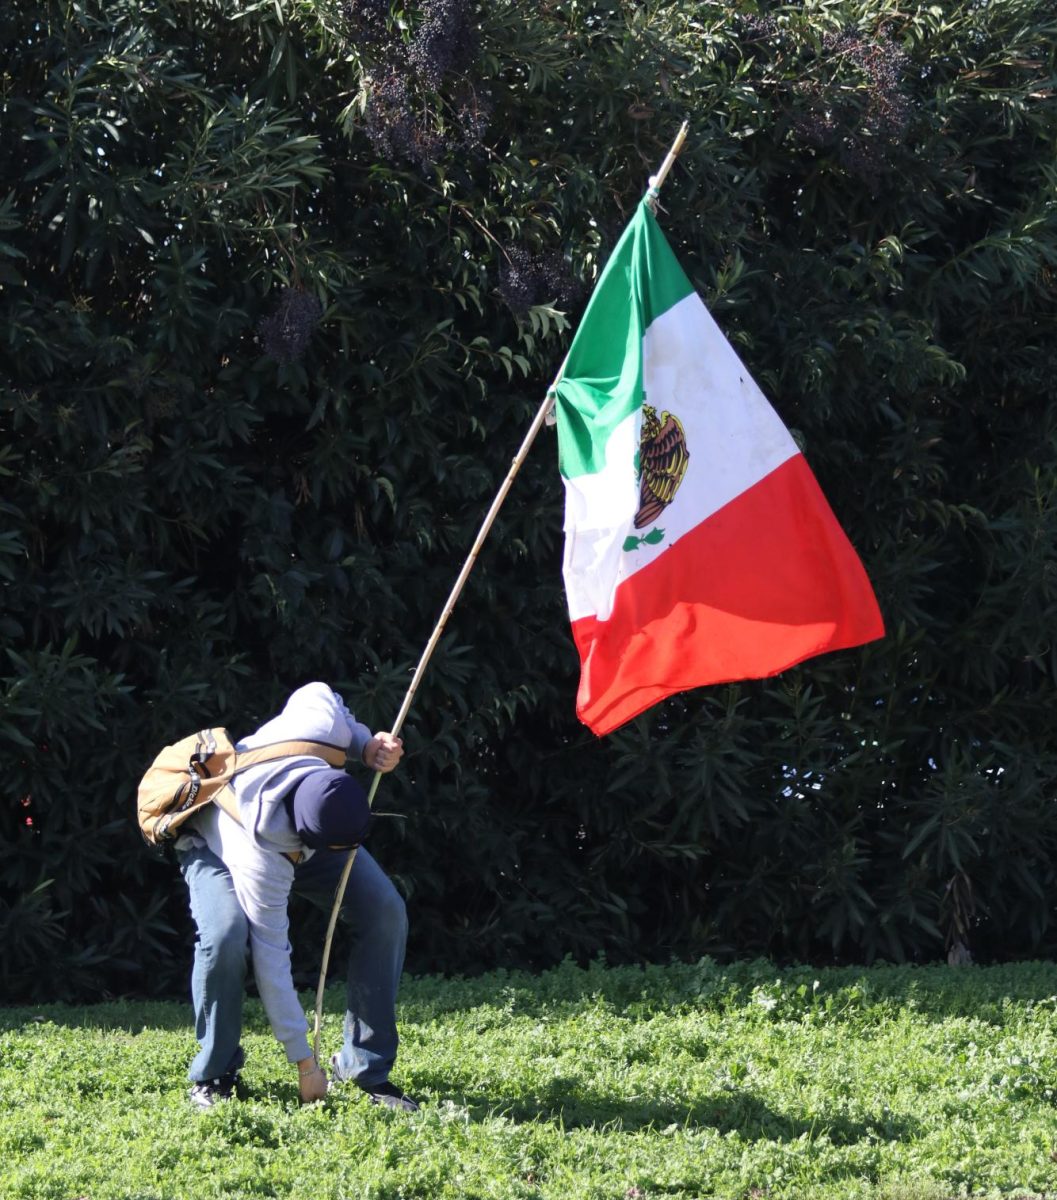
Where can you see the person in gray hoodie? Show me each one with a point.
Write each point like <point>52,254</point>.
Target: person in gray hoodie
<point>298,819</point>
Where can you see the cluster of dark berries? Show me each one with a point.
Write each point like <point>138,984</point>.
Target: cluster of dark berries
<point>445,41</point>
<point>518,281</point>
<point>755,28</point>
<point>557,283</point>
<point>817,126</point>
<point>473,111</point>
<point>395,130</point>
<point>285,333</point>
<point>883,64</point>
<point>881,60</point>
<point>526,279</point>
<point>367,19</point>
<point>864,135</point>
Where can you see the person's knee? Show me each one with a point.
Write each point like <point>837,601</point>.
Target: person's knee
<point>226,945</point>
<point>389,915</point>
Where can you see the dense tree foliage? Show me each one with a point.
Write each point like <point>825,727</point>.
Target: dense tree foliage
<point>281,284</point>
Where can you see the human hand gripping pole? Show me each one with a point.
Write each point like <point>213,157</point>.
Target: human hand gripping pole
<point>486,526</point>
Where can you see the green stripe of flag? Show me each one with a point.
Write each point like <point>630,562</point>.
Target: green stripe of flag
<point>602,381</point>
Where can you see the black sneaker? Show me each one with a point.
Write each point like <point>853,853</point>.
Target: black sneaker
<point>386,1094</point>
<point>209,1091</point>
<point>389,1095</point>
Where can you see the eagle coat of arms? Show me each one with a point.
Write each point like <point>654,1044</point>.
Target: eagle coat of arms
<point>663,459</point>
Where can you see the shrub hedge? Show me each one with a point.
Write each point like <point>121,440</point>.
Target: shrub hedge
<point>281,284</point>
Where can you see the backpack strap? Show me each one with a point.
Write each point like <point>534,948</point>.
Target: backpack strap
<point>334,755</point>
<point>225,798</point>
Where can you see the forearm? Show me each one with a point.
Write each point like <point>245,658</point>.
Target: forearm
<point>282,1006</point>
<point>262,883</point>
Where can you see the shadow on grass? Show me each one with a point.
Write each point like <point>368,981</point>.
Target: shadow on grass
<point>129,1015</point>
<point>725,1112</point>
<point>134,1016</point>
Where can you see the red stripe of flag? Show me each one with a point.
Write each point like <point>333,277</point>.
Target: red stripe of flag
<point>767,581</point>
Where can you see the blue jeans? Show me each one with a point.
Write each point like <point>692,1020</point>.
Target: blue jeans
<point>372,910</point>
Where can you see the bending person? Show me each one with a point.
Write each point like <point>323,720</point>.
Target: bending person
<point>299,818</point>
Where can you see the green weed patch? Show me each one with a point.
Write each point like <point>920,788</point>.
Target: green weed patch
<point>618,1083</point>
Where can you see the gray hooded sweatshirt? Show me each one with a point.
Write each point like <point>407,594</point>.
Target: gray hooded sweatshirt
<point>254,852</point>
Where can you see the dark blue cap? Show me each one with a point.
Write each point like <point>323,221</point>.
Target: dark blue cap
<point>328,808</point>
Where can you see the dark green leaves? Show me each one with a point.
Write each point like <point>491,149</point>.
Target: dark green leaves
<point>200,511</point>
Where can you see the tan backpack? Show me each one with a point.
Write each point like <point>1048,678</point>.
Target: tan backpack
<point>197,769</point>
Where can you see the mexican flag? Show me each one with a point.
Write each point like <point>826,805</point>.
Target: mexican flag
<point>699,548</point>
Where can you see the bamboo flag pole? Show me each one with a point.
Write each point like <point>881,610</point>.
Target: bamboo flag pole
<point>537,423</point>
<point>486,526</point>
<point>657,180</point>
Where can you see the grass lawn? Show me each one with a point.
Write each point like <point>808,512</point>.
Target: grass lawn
<point>619,1083</point>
